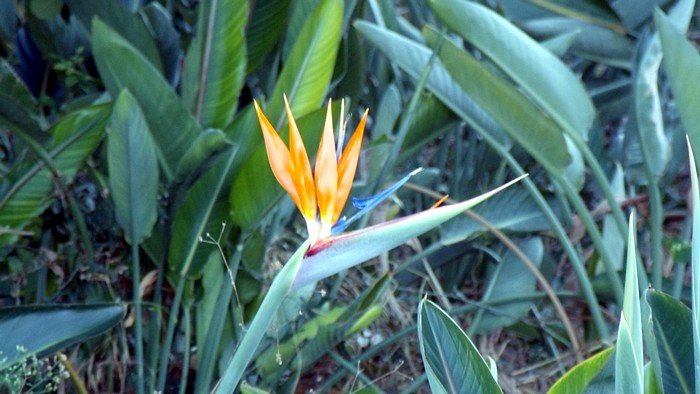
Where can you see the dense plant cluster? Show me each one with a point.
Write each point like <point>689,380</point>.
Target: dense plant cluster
<point>522,191</point>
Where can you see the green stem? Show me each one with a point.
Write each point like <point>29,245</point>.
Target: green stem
<point>595,235</point>
<point>136,278</point>
<point>599,176</point>
<point>169,334</point>
<point>186,321</point>
<point>209,352</point>
<point>154,334</point>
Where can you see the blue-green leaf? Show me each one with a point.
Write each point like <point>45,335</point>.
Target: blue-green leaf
<point>452,362</point>
<point>45,329</point>
<point>672,334</point>
<point>173,127</point>
<point>522,120</point>
<point>133,169</point>
<point>536,70</point>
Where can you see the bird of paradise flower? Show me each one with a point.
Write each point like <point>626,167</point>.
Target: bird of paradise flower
<point>321,197</point>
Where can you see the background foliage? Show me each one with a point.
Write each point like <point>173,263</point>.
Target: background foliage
<point>135,189</point>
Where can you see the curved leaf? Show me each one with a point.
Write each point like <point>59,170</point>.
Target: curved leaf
<point>531,66</point>
<point>695,263</point>
<point>203,147</point>
<point>45,329</point>
<point>167,39</point>
<point>523,121</point>
<point>215,63</point>
<point>671,321</point>
<point>452,362</point>
<point>682,64</point>
<point>413,57</point>
<point>578,377</point>
<point>133,169</point>
<point>173,127</point>
<point>75,137</point>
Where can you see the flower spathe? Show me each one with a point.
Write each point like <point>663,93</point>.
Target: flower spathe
<point>322,195</point>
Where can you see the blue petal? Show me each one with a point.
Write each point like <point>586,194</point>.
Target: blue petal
<point>367,203</point>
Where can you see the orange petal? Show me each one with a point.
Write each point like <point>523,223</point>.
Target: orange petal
<point>326,173</point>
<point>278,155</point>
<point>303,180</point>
<point>347,166</point>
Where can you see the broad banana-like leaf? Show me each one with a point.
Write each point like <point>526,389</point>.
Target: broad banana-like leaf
<point>215,63</point>
<point>523,121</point>
<point>174,128</point>
<point>44,329</point>
<point>536,70</point>
<point>133,169</point>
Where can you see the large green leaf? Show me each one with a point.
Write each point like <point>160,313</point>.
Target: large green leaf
<point>126,24</point>
<point>671,321</point>
<point>265,27</point>
<point>167,39</point>
<point>452,362</point>
<point>524,122</point>
<point>173,127</point>
<point>308,67</point>
<point>682,64</point>
<point>629,356</point>
<point>578,377</point>
<point>536,70</point>
<point>133,169</point>
<point>215,63</point>
<point>413,57</point>
<point>45,329</point>
<point>75,137</point>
